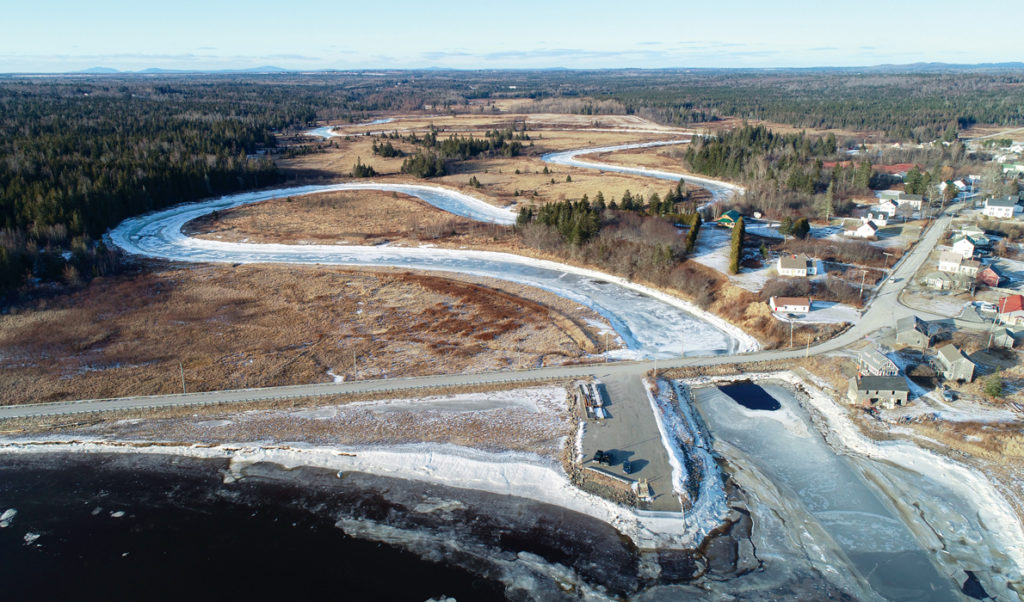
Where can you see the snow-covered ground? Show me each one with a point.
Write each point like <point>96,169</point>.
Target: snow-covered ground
<point>720,191</point>
<point>652,323</point>
<point>823,312</point>
<point>713,250</point>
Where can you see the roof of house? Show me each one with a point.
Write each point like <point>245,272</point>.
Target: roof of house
<point>961,237</point>
<point>793,262</point>
<point>802,301</point>
<point>730,215</point>
<point>949,353</point>
<point>911,323</point>
<point>874,358</point>
<point>1011,303</point>
<point>911,197</point>
<point>951,257</point>
<point>882,383</point>
<point>971,263</point>
<point>1008,201</point>
<point>869,224</point>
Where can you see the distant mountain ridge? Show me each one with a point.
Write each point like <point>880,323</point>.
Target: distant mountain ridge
<point>160,70</point>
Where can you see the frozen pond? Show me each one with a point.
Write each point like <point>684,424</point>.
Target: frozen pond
<point>843,520</point>
<point>650,323</point>
<point>720,191</point>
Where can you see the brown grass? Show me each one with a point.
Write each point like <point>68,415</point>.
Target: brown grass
<point>262,326</point>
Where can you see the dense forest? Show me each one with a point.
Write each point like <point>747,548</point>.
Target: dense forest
<point>80,153</point>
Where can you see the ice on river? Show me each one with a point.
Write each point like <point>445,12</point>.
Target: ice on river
<point>651,323</point>
<point>720,191</point>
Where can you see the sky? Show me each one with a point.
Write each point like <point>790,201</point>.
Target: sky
<point>61,36</point>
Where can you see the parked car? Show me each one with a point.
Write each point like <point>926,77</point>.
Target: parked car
<point>627,467</point>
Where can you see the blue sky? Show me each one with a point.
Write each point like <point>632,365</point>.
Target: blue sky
<point>47,36</point>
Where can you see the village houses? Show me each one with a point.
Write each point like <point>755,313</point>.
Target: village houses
<point>955,365</point>
<point>790,304</point>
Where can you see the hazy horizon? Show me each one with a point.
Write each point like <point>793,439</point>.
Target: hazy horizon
<point>61,37</point>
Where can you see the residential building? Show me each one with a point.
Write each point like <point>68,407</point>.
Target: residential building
<point>729,218</point>
<point>890,195</point>
<point>913,200</point>
<point>955,365</point>
<point>872,362</point>
<point>1011,309</point>
<point>790,304</point>
<point>1002,207</point>
<point>862,230</point>
<point>913,332</point>
<point>1004,338</point>
<point>888,208</point>
<point>795,265</point>
<point>964,246</point>
<point>990,276</point>
<point>880,218</point>
<point>949,261</point>
<point>970,268</point>
<point>882,391</point>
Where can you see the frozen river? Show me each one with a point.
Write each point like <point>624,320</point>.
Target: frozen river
<point>650,323</point>
<point>831,511</point>
<point>720,191</point>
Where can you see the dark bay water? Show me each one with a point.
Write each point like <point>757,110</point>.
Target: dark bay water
<point>751,396</point>
<point>185,535</point>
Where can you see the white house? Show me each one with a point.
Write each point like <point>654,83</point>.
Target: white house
<point>887,207</point>
<point>1003,207</point>
<point>867,229</point>
<point>914,200</point>
<point>881,219</point>
<point>964,247</point>
<point>791,304</point>
<point>949,261</point>
<point>795,265</point>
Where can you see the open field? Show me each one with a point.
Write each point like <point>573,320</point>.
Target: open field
<point>499,181</point>
<point>367,217</point>
<point>252,326</point>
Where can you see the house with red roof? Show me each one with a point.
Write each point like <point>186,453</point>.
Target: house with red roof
<point>1011,309</point>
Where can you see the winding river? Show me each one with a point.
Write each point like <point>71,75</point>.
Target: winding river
<point>651,324</point>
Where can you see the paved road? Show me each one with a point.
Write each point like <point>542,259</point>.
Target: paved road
<point>882,312</point>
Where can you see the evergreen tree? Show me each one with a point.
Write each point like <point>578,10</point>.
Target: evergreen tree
<point>736,252</point>
<point>786,226</point>
<point>801,228</point>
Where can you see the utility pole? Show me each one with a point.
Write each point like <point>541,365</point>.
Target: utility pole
<point>887,256</point>
<point>863,275</point>
<point>791,333</point>
<point>182,370</point>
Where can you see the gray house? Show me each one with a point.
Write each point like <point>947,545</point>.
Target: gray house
<point>1004,338</point>
<point>955,365</point>
<point>881,391</point>
<point>872,362</point>
<point>913,332</point>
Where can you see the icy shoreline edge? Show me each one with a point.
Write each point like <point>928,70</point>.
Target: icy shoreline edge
<point>508,473</point>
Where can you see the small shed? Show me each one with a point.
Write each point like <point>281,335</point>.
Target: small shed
<point>955,365</point>
<point>1004,338</point>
